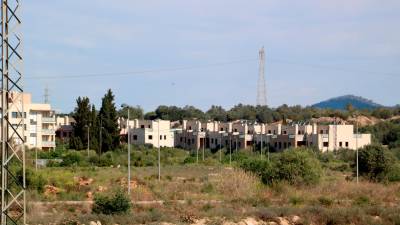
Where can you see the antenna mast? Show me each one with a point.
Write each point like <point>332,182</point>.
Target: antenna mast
<point>12,137</point>
<point>261,90</point>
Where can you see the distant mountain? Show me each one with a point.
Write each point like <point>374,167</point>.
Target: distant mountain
<point>342,101</point>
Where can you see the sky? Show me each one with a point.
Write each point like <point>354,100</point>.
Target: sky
<point>204,52</point>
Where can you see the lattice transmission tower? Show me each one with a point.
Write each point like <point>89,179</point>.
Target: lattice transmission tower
<point>261,89</point>
<point>12,115</point>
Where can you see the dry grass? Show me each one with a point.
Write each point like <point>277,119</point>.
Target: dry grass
<point>222,192</point>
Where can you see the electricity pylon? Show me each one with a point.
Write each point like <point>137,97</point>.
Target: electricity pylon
<point>12,115</point>
<point>261,89</point>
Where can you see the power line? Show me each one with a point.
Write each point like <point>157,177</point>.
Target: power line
<point>193,67</point>
<point>316,66</point>
<point>143,71</point>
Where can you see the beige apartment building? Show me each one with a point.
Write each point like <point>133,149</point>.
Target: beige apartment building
<point>64,126</point>
<point>39,123</point>
<point>244,135</point>
<point>154,132</point>
<point>324,137</point>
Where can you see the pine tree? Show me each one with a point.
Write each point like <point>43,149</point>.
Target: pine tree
<point>94,129</point>
<point>108,118</point>
<point>81,115</point>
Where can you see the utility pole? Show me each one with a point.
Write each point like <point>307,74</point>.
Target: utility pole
<point>220,148</point>
<point>197,154</point>
<point>204,143</point>
<point>261,89</point>
<point>230,150</point>
<point>129,155</point>
<point>12,138</point>
<point>100,139</point>
<point>237,141</point>
<point>88,139</point>
<point>46,94</point>
<point>159,152</point>
<point>357,145</point>
<point>261,147</point>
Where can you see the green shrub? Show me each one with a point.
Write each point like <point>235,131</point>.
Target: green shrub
<point>33,181</point>
<point>299,167</point>
<point>117,204</point>
<point>296,200</point>
<point>71,159</point>
<point>394,173</point>
<point>325,201</point>
<point>296,166</point>
<point>361,201</point>
<point>377,163</point>
<point>207,188</point>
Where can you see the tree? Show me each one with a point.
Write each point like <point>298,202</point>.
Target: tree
<point>108,121</point>
<point>376,163</point>
<point>135,112</point>
<point>217,113</point>
<point>81,115</point>
<point>94,129</point>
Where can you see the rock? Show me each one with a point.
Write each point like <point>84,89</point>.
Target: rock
<point>92,223</point>
<point>101,189</point>
<point>98,222</point>
<point>283,221</point>
<point>83,181</point>
<point>272,223</point>
<point>89,195</point>
<point>250,221</point>
<point>51,190</point>
<point>296,219</point>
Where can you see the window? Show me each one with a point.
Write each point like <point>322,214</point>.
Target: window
<point>235,130</point>
<point>181,139</point>
<point>289,144</point>
<point>188,141</point>
<point>326,144</point>
<point>340,144</point>
<point>190,127</point>
<point>276,145</point>
<point>299,132</point>
<point>284,145</point>
<point>222,129</point>
<point>165,137</point>
<point>226,142</point>
<point>347,144</point>
<point>160,137</point>
<point>134,137</point>
<point>142,126</point>
<point>274,131</point>
<point>280,145</point>
<point>32,134</point>
<point>148,126</point>
<point>321,131</point>
<point>269,132</point>
<point>150,137</point>
<point>284,132</point>
<point>14,114</point>
<point>212,140</point>
<point>202,129</point>
<point>192,140</point>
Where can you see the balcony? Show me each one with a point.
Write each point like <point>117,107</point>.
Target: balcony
<point>48,119</point>
<point>48,144</point>
<point>48,131</point>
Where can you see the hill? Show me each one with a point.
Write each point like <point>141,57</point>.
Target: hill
<point>342,101</point>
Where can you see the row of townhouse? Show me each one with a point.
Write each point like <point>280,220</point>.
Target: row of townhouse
<point>195,134</point>
<point>35,122</point>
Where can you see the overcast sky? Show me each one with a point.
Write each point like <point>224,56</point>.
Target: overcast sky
<point>314,50</point>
